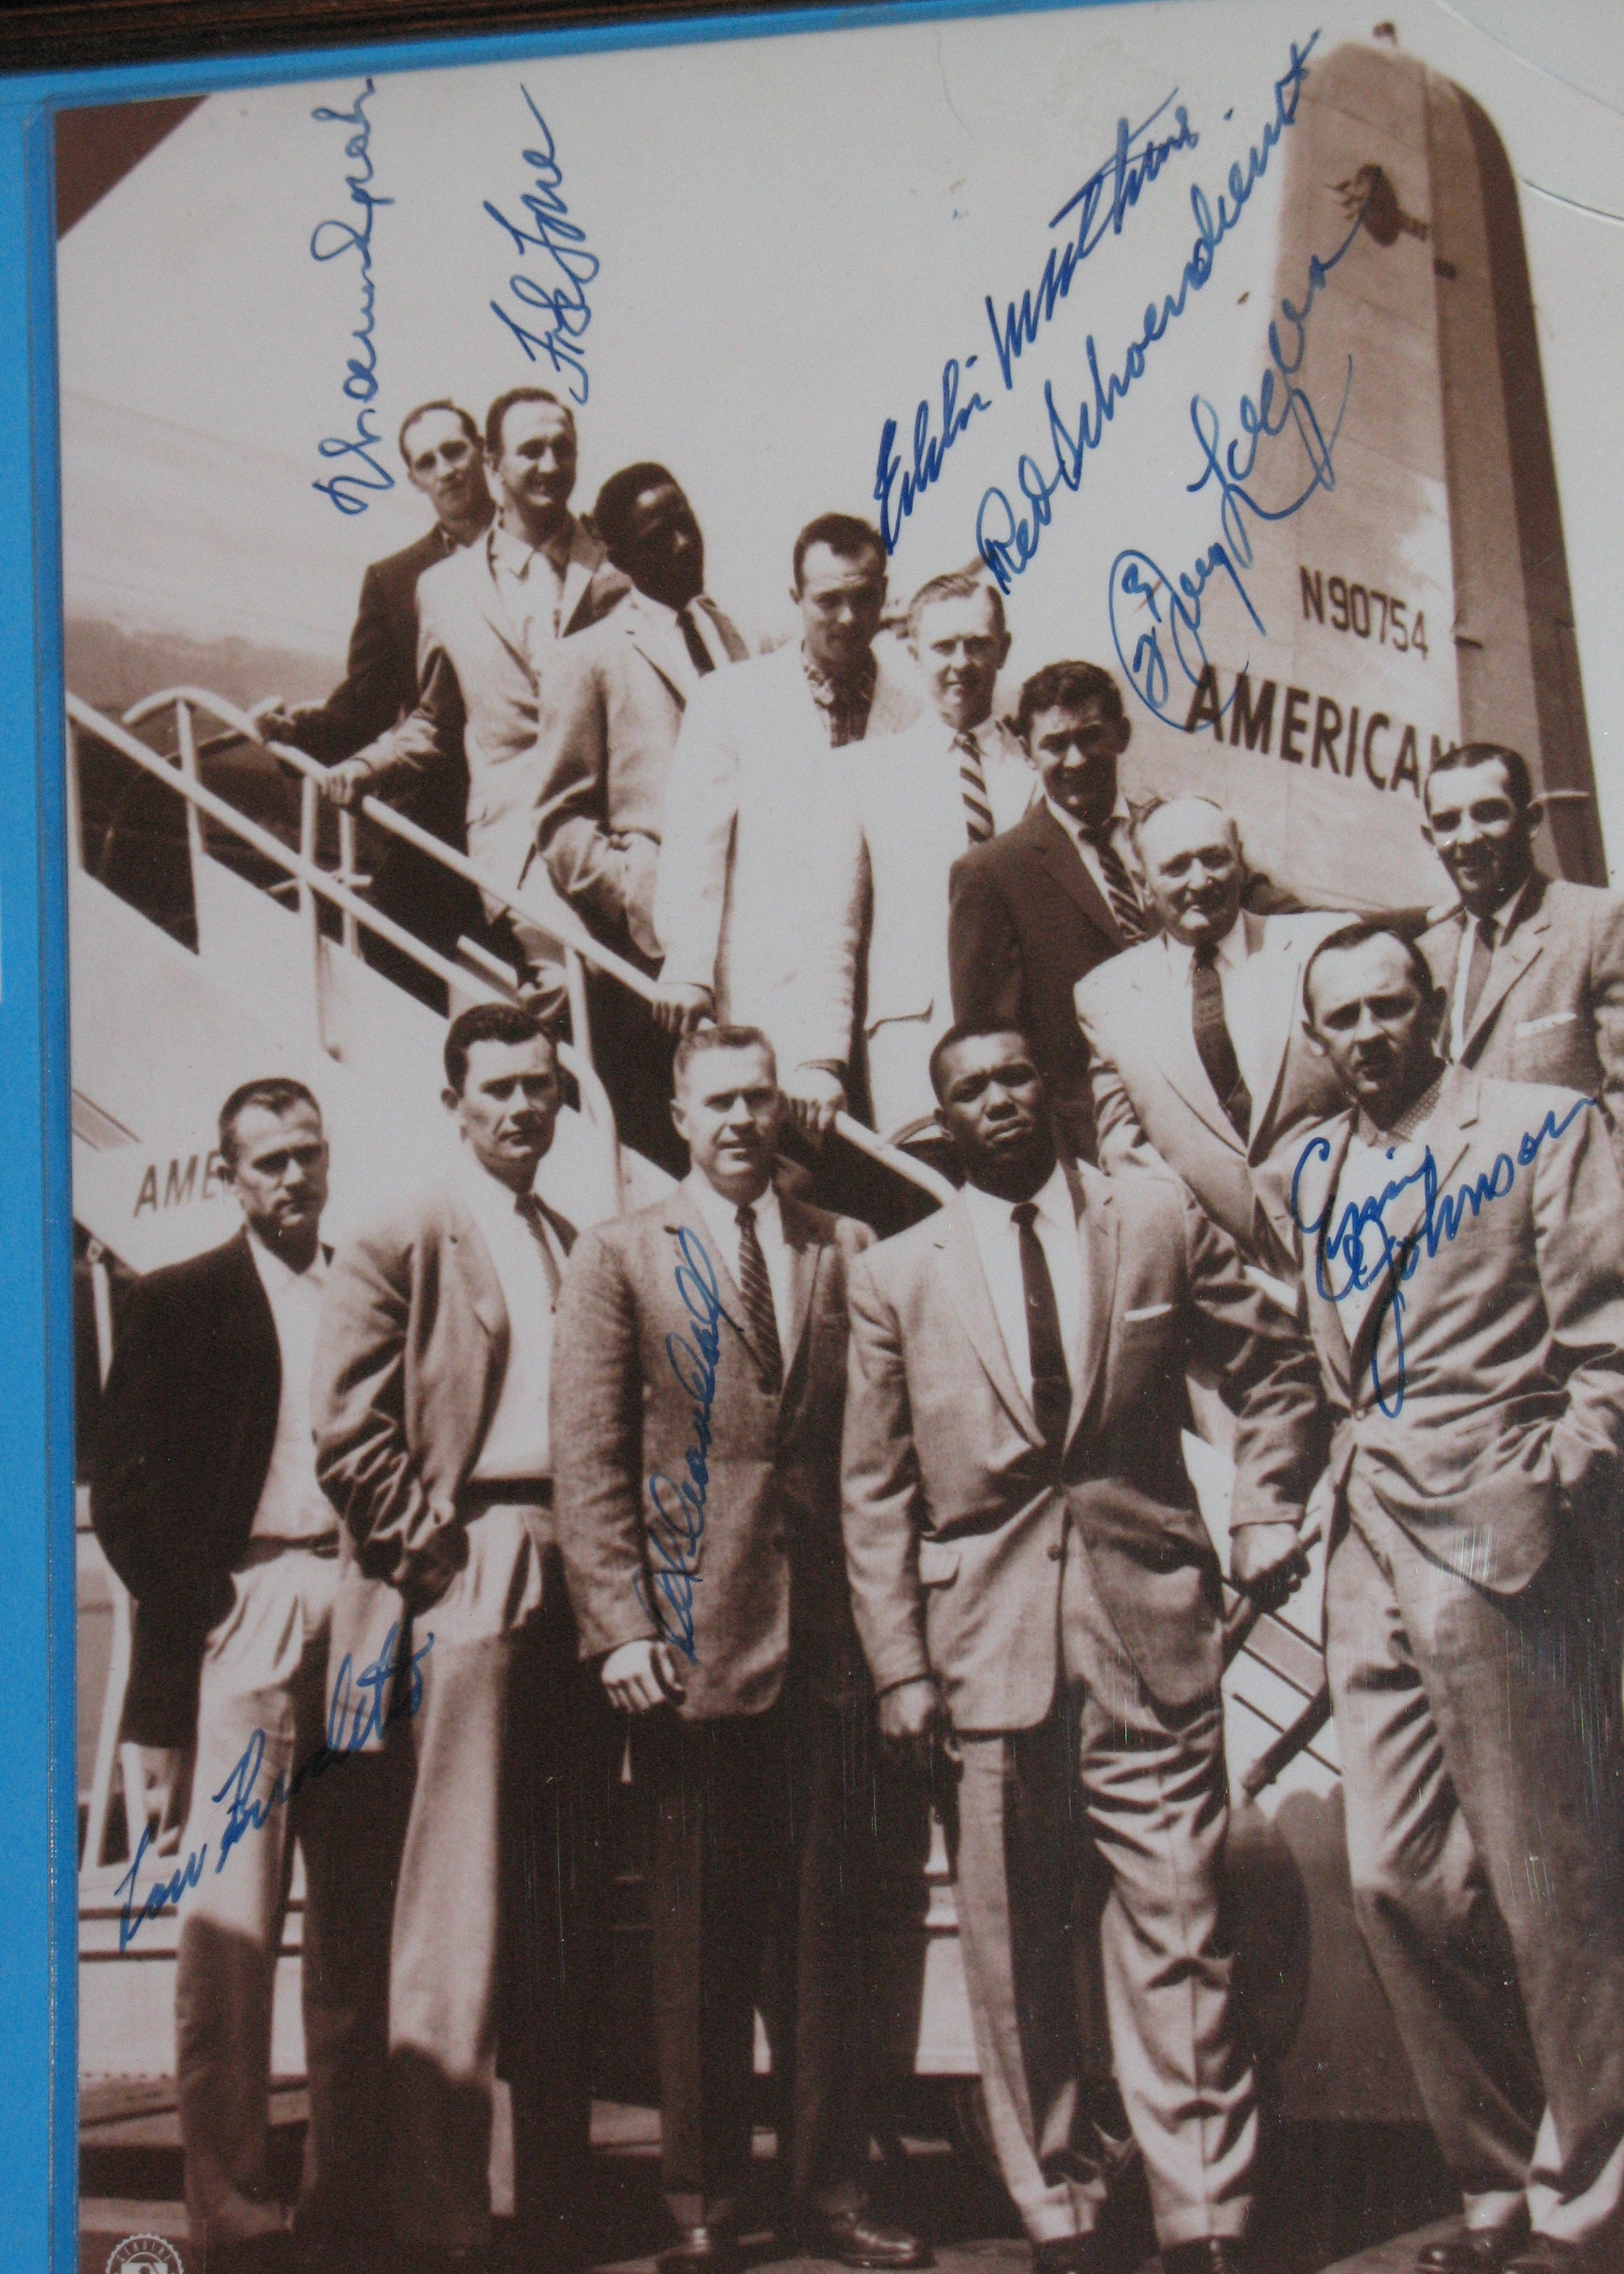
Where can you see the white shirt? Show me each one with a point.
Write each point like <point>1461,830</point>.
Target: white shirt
<point>720,1217</point>
<point>1240,1002</point>
<point>1009,776</point>
<point>517,1445</point>
<point>292,1505</point>
<point>663,621</point>
<point>997,1239</point>
<point>1089,853</point>
<point>1504,916</point>
<point>530,583</point>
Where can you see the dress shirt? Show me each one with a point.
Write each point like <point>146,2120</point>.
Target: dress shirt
<point>516,1442</point>
<point>673,648</point>
<point>997,1240</point>
<point>1089,853</point>
<point>1504,917</point>
<point>292,1505</point>
<point>721,1221</point>
<point>1240,1003</point>
<point>843,709</point>
<point>529,582</point>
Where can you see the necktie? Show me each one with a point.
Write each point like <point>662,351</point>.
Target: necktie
<point>535,1217</point>
<point>704,660</point>
<point>972,783</point>
<point>1477,970</point>
<point>756,1289</point>
<point>1051,1384</point>
<point>1214,1043</point>
<point>1118,886</point>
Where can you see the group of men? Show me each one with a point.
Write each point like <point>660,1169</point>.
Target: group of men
<point>727,1492</point>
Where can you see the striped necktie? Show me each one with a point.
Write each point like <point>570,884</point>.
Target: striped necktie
<point>1214,1043</point>
<point>1118,886</point>
<point>757,1289</point>
<point>972,783</point>
<point>536,1216</point>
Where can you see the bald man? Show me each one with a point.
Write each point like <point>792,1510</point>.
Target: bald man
<point>1196,1051</point>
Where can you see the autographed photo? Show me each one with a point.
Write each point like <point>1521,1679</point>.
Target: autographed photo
<point>847,1046</point>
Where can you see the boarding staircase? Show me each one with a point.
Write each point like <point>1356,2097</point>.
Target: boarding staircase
<point>256,966</point>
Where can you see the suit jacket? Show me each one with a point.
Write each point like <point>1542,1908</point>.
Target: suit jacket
<point>750,885</point>
<point>1154,1103</point>
<point>955,1512</point>
<point>188,1421</point>
<point>610,715</point>
<point>1026,922</point>
<point>767,1557</point>
<point>477,695</point>
<point>903,809</point>
<point>409,1367</point>
<point>1507,1411</point>
<point>1554,1007</point>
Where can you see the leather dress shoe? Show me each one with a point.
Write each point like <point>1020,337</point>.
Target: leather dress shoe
<point>1214,2254</point>
<point>701,2250</point>
<point>1479,2251</point>
<point>1069,2254</point>
<point>852,2238</point>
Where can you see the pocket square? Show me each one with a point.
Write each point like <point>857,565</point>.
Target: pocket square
<point>1150,1311</point>
<point>1542,1025</point>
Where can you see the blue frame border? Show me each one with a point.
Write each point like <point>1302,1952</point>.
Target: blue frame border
<point>39,2189</point>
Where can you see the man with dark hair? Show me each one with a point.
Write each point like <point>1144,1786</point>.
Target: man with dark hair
<point>611,711</point>
<point>432,1442</point>
<point>440,445</point>
<point>1533,966</point>
<point>491,620</point>
<point>1029,1567</point>
<point>1461,1247</point>
<point>704,1339</point>
<point>204,1494</point>
<point>753,897</point>
<point>1034,909</point>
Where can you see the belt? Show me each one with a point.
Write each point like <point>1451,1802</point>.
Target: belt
<point>480,1492</point>
<point>267,1551</point>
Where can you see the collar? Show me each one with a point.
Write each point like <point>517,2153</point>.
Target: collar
<point>826,693</point>
<point>1409,1126</point>
<point>487,1195</point>
<point>1075,831</point>
<point>1233,951</point>
<point>721,1215</point>
<point>516,553</point>
<point>992,1213</point>
<point>276,1277</point>
<point>1506,914</point>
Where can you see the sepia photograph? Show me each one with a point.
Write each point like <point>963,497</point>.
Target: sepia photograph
<point>847,1108</point>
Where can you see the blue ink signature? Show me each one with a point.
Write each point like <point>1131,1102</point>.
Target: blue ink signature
<point>329,241</point>
<point>1261,421</point>
<point>928,455</point>
<point>244,1813</point>
<point>1393,1260</point>
<point>678,1524</point>
<point>564,242</point>
<point>1007,542</point>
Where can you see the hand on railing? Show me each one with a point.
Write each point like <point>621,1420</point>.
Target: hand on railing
<point>278,721</point>
<point>347,783</point>
<point>677,1010</point>
<point>815,1096</point>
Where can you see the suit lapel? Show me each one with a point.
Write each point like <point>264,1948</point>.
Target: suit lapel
<point>1511,962</point>
<point>806,1256</point>
<point>1061,861</point>
<point>485,1293</point>
<point>967,1284</point>
<point>585,555</point>
<point>488,600</point>
<point>1165,1012</point>
<point>684,1217</point>
<point>1097,1240</point>
<point>732,646</point>
<point>667,655</point>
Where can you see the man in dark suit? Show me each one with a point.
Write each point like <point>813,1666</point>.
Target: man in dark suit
<point>1533,967</point>
<point>1031,911</point>
<point>1028,1560</point>
<point>611,711</point>
<point>704,1339</point>
<point>440,445</point>
<point>431,1410</point>
<point>204,1494</point>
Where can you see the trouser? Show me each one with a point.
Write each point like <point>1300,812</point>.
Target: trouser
<point>444,1953</point>
<point>1481,1766</point>
<point>264,1676</point>
<point>1139,1789</point>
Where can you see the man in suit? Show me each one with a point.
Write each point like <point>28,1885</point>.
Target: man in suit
<point>1533,967</point>
<point>750,897</point>
<point>440,445</point>
<point>1196,1053</point>
<point>611,711</point>
<point>1462,1253</point>
<point>1034,909</point>
<point>1027,1559</point>
<point>490,619</point>
<point>704,1339</point>
<point>205,1496</point>
<point>915,802</point>
<point>432,1442</point>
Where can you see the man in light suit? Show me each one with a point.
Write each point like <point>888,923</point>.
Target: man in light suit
<point>1028,1560</point>
<point>1462,1253</point>
<point>749,892</point>
<point>704,1339</point>
<point>916,802</point>
<point>1533,967</point>
<point>490,619</point>
<point>1032,910</point>
<point>1196,1053</point>
<point>611,711</point>
<point>432,1442</point>
<point>440,445</point>
<point>205,1496</point>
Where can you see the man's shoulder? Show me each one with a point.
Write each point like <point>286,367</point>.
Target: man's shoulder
<point>897,1265</point>
<point>196,1277</point>
<point>403,570</point>
<point>1006,856</point>
<point>1301,930</point>
<point>1508,1111</point>
<point>424,1214</point>
<point>1582,908</point>
<point>1110,986</point>
<point>848,1233</point>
